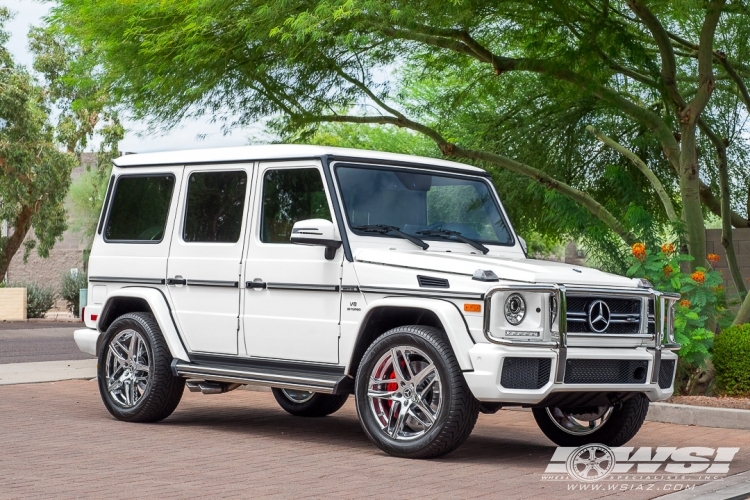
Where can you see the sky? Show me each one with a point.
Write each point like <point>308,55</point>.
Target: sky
<point>184,136</point>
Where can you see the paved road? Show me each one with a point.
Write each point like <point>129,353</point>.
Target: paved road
<point>57,440</point>
<point>38,341</point>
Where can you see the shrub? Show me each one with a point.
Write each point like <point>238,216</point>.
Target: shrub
<point>732,360</point>
<point>39,299</point>
<point>70,289</point>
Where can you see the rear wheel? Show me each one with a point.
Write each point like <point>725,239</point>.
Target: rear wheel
<point>308,404</point>
<point>411,396</point>
<point>134,374</point>
<point>609,425</point>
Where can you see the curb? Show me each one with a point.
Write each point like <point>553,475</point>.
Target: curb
<point>703,416</point>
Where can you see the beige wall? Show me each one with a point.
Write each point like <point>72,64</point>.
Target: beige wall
<point>12,304</point>
<point>741,239</point>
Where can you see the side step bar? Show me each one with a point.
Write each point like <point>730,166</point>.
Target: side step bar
<point>314,378</point>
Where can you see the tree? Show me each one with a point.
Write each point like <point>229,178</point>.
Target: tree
<point>34,174</point>
<point>510,85</point>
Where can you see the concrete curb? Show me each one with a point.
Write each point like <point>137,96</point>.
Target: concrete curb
<point>47,371</point>
<point>703,416</point>
<point>732,487</point>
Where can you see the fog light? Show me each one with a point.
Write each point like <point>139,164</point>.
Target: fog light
<point>515,309</point>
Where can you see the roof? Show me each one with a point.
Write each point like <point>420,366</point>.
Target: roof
<point>275,152</point>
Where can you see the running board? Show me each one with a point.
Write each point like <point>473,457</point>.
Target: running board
<point>325,379</point>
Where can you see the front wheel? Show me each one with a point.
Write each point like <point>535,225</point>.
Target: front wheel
<point>134,374</point>
<point>411,396</point>
<point>608,425</point>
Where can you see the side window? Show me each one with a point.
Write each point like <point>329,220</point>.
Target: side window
<point>291,195</point>
<point>140,206</point>
<point>214,205</point>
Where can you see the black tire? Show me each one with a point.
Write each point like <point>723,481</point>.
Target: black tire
<point>162,391</point>
<point>313,405</point>
<point>625,421</point>
<point>456,415</point>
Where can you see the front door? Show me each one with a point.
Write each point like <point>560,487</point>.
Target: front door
<point>203,270</point>
<point>292,299</point>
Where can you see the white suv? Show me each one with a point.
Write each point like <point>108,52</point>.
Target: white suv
<point>324,272</point>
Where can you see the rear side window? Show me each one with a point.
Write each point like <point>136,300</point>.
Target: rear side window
<point>291,195</point>
<point>140,206</point>
<point>215,202</point>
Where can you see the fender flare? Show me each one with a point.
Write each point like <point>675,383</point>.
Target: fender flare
<point>161,311</point>
<point>454,325</point>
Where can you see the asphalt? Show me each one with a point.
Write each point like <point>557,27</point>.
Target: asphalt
<point>28,342</point>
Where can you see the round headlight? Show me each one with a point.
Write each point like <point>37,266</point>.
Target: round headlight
<point>515,309</point>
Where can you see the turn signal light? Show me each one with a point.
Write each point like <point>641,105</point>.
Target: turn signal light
<point>473,308</point>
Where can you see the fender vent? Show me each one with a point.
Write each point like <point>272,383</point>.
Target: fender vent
<point>430,282</point>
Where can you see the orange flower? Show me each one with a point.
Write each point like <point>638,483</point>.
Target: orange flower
<point>718,288</point>
<point>639,251</point>
<point>668,271</point>
<point>667,249</point>
<point>685,303</point>
<point>713,259</point>
<point>699,277</point>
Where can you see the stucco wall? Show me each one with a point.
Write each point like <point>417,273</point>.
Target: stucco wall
<point>741,241</point>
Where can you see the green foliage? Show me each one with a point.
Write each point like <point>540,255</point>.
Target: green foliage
<point>701,291</point>
<point>731,357</point>
<point>70,289</point>
<point>39,299</point>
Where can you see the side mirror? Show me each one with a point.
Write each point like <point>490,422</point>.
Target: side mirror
<point>523,246</point>
<point>316,232</point>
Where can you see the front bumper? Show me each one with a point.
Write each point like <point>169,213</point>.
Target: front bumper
<point>488,360</point>
<point>87,340</point>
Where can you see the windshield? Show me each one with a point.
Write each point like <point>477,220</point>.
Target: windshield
<point>414,201</point>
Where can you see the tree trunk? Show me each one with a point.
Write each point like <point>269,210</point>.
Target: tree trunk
<point>743,316</point>
<point>695,228</point>
<point>14,242</point>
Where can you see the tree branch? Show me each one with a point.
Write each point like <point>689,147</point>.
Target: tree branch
<point>653,179</point>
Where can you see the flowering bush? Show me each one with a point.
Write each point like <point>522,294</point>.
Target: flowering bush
<point>702,296</point>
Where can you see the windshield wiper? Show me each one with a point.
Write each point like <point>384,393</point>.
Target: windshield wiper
<point>383,229</point>
<point>444,233</point>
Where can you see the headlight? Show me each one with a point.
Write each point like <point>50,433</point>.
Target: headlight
<point>515,309</point>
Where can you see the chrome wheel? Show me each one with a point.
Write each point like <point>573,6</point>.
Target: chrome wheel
<point>128,368</point>
<point>298,396</point>
<point>580,423</point>
<point>405,393</point>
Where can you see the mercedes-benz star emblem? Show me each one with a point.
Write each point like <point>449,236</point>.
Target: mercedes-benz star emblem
<point>599,316</point>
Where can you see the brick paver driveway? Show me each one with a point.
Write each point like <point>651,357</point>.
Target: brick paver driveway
<point>58,441</point>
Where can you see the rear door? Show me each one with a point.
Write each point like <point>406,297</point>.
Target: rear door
<point>203,271</point>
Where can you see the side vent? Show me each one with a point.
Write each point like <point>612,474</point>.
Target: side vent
<point>430,282</point>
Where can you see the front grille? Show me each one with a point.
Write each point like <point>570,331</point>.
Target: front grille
<point>605,371</point>
<point>432,282</point>
<point>625,314</point>
<point>525,373</point>
<point>666,373</point>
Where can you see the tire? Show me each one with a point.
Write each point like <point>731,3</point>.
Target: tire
<point>309,404</point>
<point>442,391</point>
<point>155,393</point>
<point>624,422</point>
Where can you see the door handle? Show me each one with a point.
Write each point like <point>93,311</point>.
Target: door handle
<point>177,280</point>
<point>257,285</point>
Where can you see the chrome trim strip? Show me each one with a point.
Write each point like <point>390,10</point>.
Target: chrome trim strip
<point>350,288</point>
<point>274,380</point>
<point>422,292</point>
<point>216,283</point>
<point>302,286</point>
<point>116,279</point>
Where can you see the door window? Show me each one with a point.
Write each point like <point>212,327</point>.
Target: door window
<point>139,208</point>
<point>214,207</point>
<point>291,195</point>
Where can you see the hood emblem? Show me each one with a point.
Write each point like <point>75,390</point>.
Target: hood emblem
<point>599,316</point>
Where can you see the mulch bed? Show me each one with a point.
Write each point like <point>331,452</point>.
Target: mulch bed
<point>717,402</point>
